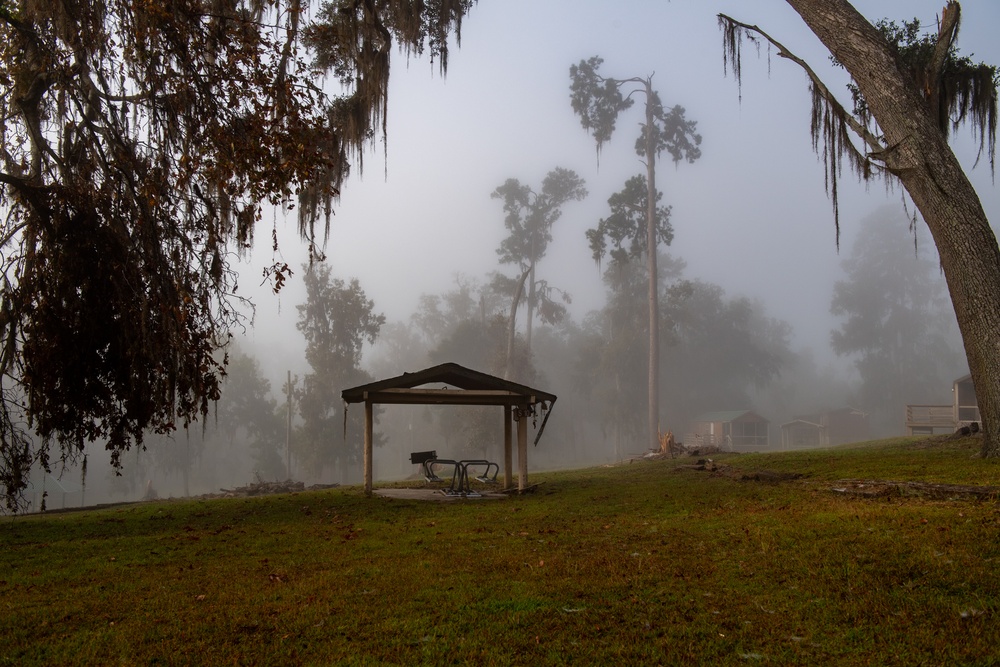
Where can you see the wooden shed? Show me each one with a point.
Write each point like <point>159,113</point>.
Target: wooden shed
<point>731,430</point>
<point>802,433</point>
<point>845,425</point>
<point>451,384</point>
<point>825,429</point>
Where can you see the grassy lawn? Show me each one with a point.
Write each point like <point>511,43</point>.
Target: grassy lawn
<point>652,562</point>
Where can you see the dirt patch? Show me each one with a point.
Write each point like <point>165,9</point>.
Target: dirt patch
<point>765,476</point>
<point>770,476</point>
<point>433,495</point>
<point>881,488</point>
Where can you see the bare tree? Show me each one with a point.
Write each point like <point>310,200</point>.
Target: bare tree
<point>598,101</point>
<point>530,217</point>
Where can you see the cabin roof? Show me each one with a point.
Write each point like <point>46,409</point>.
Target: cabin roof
<point>726,416</point>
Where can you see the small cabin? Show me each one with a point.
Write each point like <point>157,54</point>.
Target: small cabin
<point>731,430</point>
<point>833,427</point>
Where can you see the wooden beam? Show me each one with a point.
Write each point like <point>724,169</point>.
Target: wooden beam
<point>508,455</point>
<point>522,451</point>
<point>447,397</point>
<point>368,447</point>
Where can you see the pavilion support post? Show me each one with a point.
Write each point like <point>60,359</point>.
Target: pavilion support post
<point>368,447</point>
<point>522,449</point>
<point>508,455</point>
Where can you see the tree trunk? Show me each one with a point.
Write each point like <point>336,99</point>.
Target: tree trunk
<point>288,428</point>
<point>920,157</point>
<point>187,467</point>
<point>653,439</point>
<point>531,305</point>
<point>511,325</point>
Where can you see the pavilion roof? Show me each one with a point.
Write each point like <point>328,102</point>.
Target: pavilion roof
<point>447,383</point>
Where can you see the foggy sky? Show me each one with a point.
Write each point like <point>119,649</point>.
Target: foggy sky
<point>751,215</point>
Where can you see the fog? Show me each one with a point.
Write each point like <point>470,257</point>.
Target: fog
<point>751,217</point>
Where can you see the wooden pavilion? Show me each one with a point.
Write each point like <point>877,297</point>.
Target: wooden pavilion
<point>457,385</point>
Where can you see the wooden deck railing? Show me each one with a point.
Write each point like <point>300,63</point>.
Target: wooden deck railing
<point>927,418</point>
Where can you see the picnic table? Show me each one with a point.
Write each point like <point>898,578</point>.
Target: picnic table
<point>459,472</point>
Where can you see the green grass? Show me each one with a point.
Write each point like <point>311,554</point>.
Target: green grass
<point>643,563</point>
